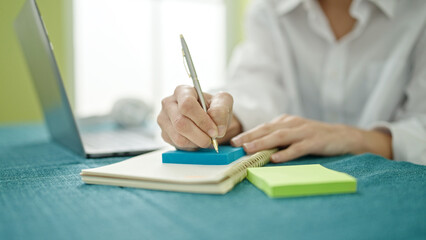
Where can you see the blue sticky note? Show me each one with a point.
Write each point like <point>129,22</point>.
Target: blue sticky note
<point>204,156</point>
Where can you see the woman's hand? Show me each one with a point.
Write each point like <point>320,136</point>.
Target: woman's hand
<point>301,136</point>
<point>187,126</point>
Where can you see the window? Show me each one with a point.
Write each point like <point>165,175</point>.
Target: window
<point>131,48</point>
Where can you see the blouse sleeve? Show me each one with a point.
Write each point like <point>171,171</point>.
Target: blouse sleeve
<point>253,76</point>
<point>409,128</point>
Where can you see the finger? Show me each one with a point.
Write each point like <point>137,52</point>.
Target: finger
<point>283,121</point>
<point>184,127</point>
<point>279,138</point>
<point>187,100</point>
<point>176,140</point>
<point>234,128</point>
<point>169,112</point>
<point>184,89</point>
<point>162,121</point>
<point>168,140</point>
<point>255,133</point>
<point>288,121</point>
<point>294,151</point>
<point>181,142</point>
<point>220,110</point>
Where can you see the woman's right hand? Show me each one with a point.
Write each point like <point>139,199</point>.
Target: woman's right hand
<point>187,126</point>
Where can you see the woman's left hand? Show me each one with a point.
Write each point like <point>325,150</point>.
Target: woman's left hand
<point>303,136</point>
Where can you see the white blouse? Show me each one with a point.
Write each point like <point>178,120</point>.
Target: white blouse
<point>375,76</point>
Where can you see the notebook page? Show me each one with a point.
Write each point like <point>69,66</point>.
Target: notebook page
<point>150,167</point>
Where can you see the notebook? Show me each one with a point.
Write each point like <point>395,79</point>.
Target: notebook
<point>300,180</point>
<point>148,171</point>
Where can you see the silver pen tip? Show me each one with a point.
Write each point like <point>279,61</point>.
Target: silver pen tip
<point>214,142</point>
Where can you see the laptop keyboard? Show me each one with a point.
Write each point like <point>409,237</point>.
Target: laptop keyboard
<point>118,140</point>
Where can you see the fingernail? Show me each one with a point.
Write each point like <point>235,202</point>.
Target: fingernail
<point>212,133</point>
<point>236,141</point>
<point>248,146</point>
<point>222,130</point>
<point>273,158</point>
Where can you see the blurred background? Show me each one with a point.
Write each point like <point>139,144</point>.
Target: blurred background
<point>113,49</point>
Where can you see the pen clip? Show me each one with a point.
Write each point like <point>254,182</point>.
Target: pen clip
<point>184,64</point>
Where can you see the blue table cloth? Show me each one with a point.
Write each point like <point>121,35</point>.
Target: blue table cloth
<point>42,197</point>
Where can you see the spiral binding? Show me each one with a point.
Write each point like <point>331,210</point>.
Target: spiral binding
<point>239,171</point>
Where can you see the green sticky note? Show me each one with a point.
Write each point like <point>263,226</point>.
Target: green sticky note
<point>300,180</point>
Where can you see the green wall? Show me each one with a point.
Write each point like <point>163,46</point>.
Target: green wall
<point>18,100</point>
<point>235,16</point>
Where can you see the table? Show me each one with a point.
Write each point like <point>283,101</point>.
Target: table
<point>42,197</point>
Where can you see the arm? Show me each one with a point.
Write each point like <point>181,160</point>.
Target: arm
<point>409,128</point>
<point>403,139</point>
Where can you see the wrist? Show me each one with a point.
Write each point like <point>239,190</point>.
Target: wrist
<point>353,139</point>
<point>373,141</point>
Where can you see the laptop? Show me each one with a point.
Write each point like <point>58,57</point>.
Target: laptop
<point>60,120</point>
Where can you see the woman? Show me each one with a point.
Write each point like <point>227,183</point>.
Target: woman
<point>322,77</point>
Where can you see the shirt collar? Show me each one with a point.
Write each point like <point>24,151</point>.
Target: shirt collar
<point>386,6</point>
<point>286,6</point>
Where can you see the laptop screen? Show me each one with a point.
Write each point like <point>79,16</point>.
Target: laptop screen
<point>47,80</point>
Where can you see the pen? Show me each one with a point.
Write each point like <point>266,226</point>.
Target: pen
<point>193,75</point>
